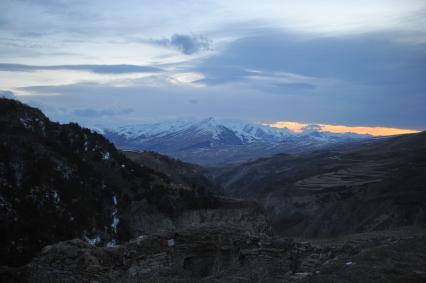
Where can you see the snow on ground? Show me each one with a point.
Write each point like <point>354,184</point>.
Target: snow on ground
<point>105,156</point>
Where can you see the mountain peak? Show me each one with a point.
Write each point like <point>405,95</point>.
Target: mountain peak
<point>209,120</point>
<point>203,140</point>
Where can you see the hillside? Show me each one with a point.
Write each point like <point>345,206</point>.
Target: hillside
<point>366,187</point>
<point>178,171</point>
<point>78,209</point>
<point>59,182</point>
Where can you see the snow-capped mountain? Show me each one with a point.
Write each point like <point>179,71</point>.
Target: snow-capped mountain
<point>213,141</point>
<point>220,132</point>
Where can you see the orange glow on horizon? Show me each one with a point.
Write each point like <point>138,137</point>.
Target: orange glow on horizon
<point>373,131</point>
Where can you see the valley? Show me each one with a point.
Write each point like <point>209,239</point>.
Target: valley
<point>77,209</point>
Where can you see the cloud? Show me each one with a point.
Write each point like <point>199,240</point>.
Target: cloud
<point>343,104</point>
<point>92,113</point>
<point>7,94</point>
<point>330,63</point>
<point>98,69</point>
<point>275,76</point>
<point>187,79</point>
<point>98,17</point>
<point>370,59</point>
<point>312,128</point>
<point>187,44</point>
<point>282,80</point>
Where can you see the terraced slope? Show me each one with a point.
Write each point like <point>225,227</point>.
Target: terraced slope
<point>370,186</point>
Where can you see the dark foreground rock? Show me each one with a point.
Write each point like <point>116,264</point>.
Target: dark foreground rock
<point>230,254</point>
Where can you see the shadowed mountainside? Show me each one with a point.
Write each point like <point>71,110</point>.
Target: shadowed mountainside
<point>366,187</point>
<point>178,171</point>
<point>59,182</point>
<point>156,219</point>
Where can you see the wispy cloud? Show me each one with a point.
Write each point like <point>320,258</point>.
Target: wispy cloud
<point>92,113</point>
<point>285,79</point>
<point>191,79</point>
<point>98,69</point>
<point>344,62</point>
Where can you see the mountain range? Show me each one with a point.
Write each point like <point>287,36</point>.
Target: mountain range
<point>74,208</point>
<point>216,142</point>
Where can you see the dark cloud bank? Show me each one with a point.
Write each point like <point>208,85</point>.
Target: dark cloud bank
<point>187,44</point>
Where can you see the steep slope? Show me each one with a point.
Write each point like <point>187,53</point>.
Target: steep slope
<point>212,142</point>
<point>179,172</point>
<point>59,182</point>
<point>374,185</point>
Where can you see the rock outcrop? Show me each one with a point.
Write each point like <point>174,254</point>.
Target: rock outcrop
<point>207,253</point>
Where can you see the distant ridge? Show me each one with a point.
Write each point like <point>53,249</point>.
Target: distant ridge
<point>212,141</point>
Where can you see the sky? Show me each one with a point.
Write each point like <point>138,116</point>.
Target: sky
<point>103,62</point>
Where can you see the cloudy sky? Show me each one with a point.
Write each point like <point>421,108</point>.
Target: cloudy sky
<point>107,62</point>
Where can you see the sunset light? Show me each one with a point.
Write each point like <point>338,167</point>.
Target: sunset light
<point>373,131</point>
